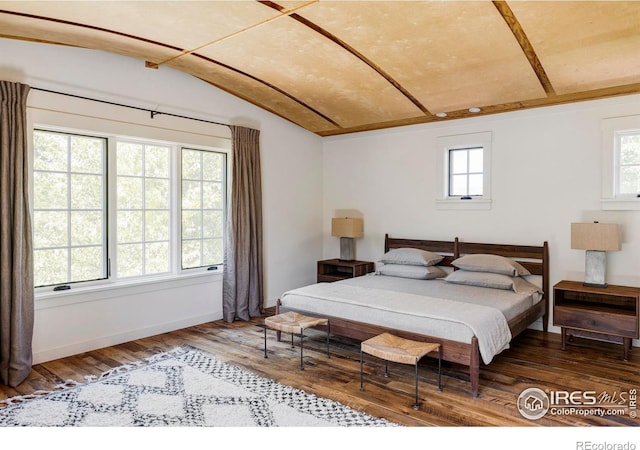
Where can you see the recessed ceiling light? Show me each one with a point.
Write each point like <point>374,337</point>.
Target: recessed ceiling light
<point>474,110</point>
<point>441,114</point>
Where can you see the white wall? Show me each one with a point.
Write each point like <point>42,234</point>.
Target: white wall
<point>77,321</point>
<point>546,174</point>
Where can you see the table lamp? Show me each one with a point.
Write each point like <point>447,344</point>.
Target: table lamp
<point>597,239</point>
<point>347,229</point>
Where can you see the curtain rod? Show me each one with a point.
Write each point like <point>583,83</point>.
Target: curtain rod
<point>150,111</point>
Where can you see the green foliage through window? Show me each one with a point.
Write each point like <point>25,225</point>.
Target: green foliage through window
<point>203,182</point>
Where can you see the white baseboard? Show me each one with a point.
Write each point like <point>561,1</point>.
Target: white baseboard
<point>45,355</point>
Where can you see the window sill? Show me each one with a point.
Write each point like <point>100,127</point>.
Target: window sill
<point>612,204</point>
<point>97,292</point>
<point>458,204</point>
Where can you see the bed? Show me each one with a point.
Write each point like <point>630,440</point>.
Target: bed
<point>473,322</point>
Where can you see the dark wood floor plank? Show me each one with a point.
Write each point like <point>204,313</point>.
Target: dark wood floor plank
<point>534,360</point>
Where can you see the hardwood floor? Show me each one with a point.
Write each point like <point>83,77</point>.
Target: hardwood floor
<point>534,360</point>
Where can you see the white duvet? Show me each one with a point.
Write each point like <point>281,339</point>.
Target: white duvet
<point>406,305</point>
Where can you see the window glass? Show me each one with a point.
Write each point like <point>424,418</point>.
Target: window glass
<point>202,207</point>
<point>143,223</point>
<point>629,163</point>
<point>69,219</point>
<point>475,160</point>
<point>466,172</point>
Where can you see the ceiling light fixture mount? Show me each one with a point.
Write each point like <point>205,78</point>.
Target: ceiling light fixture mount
<point>441,114</point>
<point>474,109</point>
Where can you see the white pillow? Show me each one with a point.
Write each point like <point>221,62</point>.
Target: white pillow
<point>490,263</point>
<point>411,256</point>
<point>491,280</point>
<point>481,279</point>
<point>410,271</point>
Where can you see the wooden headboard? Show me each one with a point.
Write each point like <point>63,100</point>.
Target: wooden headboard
<point>445,248</point>
<point>534,258</point>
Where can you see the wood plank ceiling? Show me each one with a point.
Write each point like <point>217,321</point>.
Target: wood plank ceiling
<point>336,67</point>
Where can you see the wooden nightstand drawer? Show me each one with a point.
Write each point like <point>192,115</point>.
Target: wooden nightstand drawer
<point>325,278</point>
<point>615,324</point>
<point>331,270</point>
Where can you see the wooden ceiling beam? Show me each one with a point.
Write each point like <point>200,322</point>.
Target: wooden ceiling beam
<point>154,65</point>
<point>517,30</point>
<point>267,84</point>
<point>332,37</point>
<point>89,27</point>
<point>596,94</point>
<point>283,13</point>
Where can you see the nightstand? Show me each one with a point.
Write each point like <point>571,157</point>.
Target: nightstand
<point>610,313</point>
<point>331,270</point>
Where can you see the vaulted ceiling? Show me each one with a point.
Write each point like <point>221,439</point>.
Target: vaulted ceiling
<point>336,67</point>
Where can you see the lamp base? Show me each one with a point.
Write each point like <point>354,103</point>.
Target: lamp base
<point>585,284</point>
<point>594,268</point>
<point>347,249</point>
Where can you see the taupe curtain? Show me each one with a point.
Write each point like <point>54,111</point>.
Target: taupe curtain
<point>16,253</point>
<point>242,289</point>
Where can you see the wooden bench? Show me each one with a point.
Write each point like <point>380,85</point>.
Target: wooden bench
<point>392,348</point>
<point>294,323</point>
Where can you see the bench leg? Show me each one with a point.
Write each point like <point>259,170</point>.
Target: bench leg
<point>440,368</point>
<point>361,381</point>
<point>301,345</point>
<point>417,404</point>
<point>265,341</point>
<point>328,328</point>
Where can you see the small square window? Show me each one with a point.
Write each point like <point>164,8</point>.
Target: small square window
<point>464,172</point>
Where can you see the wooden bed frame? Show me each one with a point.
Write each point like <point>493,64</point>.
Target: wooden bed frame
<point>533,258</point>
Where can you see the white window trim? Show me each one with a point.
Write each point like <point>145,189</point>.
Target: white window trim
<point>443,145</point>
<point>88,292</point>
<point>609,200</point>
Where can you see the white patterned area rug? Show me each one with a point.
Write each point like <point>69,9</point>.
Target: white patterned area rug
<point>183,388</point>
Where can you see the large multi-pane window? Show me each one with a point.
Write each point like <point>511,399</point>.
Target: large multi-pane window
<point>164,211</point>
<point>69,220</point>
<point>203,190</point>
<point>466,172</point>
